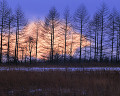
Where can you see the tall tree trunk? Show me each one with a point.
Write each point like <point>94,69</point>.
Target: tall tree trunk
<point>95,47</point>
<point>112,42</point>
<point>85,53</point>
<point>36,44</point>
<point>17,37</point>
<point>65,42</point>
<point>53,43</point>
<point>22,54</point>
<point>119,44</point>
<point>90,50</point>
<point>30,57</point>
<point>1,41</point>
<point>8,51</point>
<point>51,53</point>
<point>101,47</point>
<point>80,42</point>
<point>117,51</point>
<point>90,43</point>
<point>16,47</point>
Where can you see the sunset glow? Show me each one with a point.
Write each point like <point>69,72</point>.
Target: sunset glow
<point>43,48</point>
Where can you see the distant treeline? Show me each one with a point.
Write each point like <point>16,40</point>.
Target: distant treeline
<point>102,31</point>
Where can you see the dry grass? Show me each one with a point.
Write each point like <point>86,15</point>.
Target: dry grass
<point>21,83</point>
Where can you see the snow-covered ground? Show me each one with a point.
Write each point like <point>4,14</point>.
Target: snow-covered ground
<point>39,69</point>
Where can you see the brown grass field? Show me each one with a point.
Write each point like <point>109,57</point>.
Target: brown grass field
<point>57,83</point>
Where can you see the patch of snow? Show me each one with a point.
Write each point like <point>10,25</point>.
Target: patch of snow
<point>39,69</point>
<point>35,90</point>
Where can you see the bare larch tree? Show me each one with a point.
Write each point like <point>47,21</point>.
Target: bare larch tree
<point>66,25</point>
<point>52,21</point>
<point>10,25</point>
<point>103,18</point>
<point>112,29</point>
<point>20,23</point>
<point>4,11</point>
<point>80,19</point>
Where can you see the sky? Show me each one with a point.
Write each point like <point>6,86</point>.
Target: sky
<point>40,8</point>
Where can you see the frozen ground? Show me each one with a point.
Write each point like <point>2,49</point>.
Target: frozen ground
<point>39,69</point>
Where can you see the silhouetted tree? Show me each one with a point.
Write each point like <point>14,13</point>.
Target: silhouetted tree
<point>71,48</point>
<point>20,23</point>
<point>10,25</point>
<point>4,11</point>
<point>112,28</point>
<point>90,37</point>
<point>37,23</point>
<point>52,20</point>
<point>96,28</point>
<point>80,20</point>
<point>31,41</point>
<point>67,24</point>
<point>103,19</point>
<point>117,20</point>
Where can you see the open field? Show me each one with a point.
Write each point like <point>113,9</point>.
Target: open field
<point>60,83</point>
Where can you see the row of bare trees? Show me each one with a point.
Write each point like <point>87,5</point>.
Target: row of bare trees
<point>102,31</point>
<point>8,23</point>
<point>105,30</point>
<point>105,34</point>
